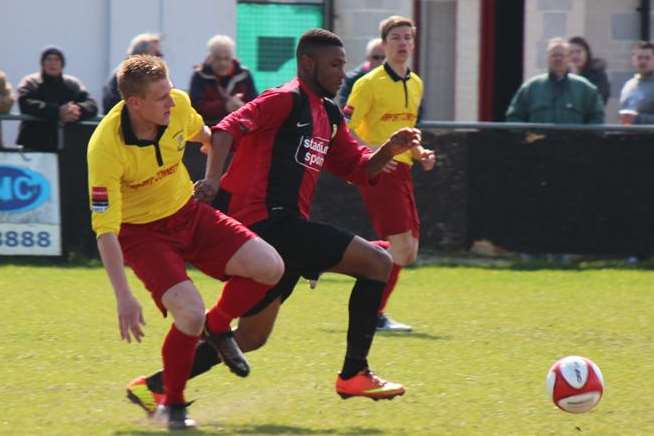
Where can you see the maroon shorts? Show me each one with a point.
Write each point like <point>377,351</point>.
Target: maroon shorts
<point>197,234</point>
<point>391,203</point>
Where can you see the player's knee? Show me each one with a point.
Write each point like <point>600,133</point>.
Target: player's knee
<point>270,268</point>
<point>404,254</point>
<point>380,264</point>
<point>190,320</point>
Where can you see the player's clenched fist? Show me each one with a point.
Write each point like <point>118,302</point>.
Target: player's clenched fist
<point>204,190</point>
<point>404,139</point>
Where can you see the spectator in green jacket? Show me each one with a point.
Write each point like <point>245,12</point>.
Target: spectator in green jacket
<point>557,96</point>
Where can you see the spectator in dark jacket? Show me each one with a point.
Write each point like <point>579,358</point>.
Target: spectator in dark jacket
<point>221,84</point>
<point>584,64</point>
<point>143,43</point>
<point>6,98</point>
<point>53,96</point>
<point>374,57</point>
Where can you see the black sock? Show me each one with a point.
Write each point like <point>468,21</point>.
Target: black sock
<point>351,367</point>
<point>205,358</point>
<point>364,302</point>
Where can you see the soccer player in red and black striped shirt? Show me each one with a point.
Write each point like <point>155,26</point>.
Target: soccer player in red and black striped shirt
<point>281,142</point>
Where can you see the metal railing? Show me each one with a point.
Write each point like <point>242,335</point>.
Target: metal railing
<point>446,125</point>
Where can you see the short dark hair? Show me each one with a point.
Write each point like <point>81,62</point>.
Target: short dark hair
<point>137,71</point>
<point>315,39</point>
<point>643,45</point>
<point>392,22</point>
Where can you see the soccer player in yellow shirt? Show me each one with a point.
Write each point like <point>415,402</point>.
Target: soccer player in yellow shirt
<point>145,216</point>
<point>384,100</point>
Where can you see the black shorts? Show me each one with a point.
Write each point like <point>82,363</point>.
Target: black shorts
<point>308,249</point>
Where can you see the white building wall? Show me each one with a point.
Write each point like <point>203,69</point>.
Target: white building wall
<point>94,35</point>
<point>468,25</point>
<point>357,22</point>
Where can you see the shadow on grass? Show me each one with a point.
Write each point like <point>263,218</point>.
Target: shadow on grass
<point>402,335</point>
<point>262,429</point>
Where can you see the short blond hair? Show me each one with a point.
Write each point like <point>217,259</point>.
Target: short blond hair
<point>136,72</point>
<point>394,21</point>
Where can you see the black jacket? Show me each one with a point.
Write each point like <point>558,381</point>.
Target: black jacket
<point>596,74</point>
<point>41,95</point>
<point>110,93</point>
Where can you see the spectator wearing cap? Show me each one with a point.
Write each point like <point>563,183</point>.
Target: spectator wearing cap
<point>6,98</point>
<point>53,96</point>
<point>143,43</point>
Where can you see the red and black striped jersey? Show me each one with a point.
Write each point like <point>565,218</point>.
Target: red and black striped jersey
<point>282,141</point>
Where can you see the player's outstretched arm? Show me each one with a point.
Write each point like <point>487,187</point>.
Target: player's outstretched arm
<point>207,188</point>
<point>399,142</point>
<point>130,314</point>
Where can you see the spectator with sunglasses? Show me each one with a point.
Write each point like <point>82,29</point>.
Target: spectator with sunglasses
<point>374,57</point>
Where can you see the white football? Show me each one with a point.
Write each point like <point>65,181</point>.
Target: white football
<point>575,384</point>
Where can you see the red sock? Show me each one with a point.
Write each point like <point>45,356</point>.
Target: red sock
<point>178,353</point>
<point>239,295</point>
<point>390,285</point>
<point>382,244</point>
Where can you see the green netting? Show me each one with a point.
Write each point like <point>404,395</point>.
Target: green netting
<point>266,37</point>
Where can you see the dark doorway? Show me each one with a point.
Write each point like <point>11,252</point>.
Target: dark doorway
<point>509,42</point>
<point>502,41</point>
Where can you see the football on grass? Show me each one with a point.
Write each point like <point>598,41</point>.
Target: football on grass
<point>575,384</point>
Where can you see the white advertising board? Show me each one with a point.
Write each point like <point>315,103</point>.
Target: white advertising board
<point>30,218</point>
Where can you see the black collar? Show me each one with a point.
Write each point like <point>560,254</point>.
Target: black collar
<point>394,76</point>
<point>128,132</point>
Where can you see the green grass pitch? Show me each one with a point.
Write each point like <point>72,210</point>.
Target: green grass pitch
<point>476,363</point>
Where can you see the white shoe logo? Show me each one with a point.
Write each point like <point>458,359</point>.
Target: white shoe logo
<point>303,124</point>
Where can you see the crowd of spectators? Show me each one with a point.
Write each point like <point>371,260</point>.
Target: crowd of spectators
<point>575,89</point>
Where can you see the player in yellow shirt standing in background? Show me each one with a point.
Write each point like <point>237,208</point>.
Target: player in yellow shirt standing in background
<point>384,100</point>
<point>145,216</point>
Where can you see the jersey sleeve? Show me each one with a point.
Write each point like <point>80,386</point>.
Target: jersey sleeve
<point>193,121</point>
<point>105,173</point>
<point>266,112</point>
<point>359,103</point>
<point>347,158</point>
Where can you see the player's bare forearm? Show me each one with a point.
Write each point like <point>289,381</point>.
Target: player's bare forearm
<point>207,188</point>
<point>130,314</point>
<point>379,159</point>
<point>112,259</point>
<point>221,143</point>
